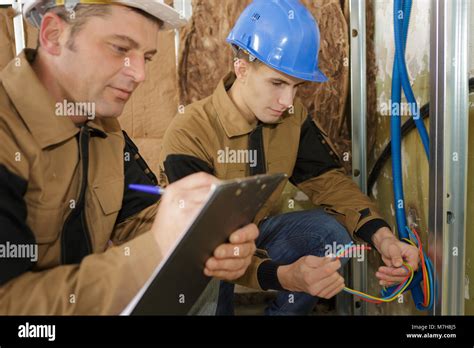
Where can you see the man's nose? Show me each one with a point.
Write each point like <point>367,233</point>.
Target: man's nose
<point>135,68</point>
<point>286,98</point>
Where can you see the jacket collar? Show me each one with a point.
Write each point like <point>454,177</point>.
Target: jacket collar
<point>36,106</point>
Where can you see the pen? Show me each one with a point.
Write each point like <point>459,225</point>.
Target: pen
<point>155,190</point>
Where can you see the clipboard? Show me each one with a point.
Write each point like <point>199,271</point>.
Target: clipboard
<point>179,279</point>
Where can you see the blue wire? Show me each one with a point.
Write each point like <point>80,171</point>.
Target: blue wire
<point>433,285</point>
<point>428,269</point>
<point>396,128</point>
<point>400,80</point>
<point>400,45</point>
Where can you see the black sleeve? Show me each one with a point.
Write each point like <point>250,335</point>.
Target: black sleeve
<point>180,166</point>
<point>268,277</point>
<point>136,172</point>
<point>367,230</point>
<point>315,157</point>
<point>14,232</point>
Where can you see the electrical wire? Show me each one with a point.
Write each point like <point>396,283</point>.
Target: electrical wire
<point>394,292</point>
<point>407,127</point>
<point>373,299</point>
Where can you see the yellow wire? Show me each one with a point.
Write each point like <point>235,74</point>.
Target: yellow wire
<point>382,299</point>
<point>364,295</point>
<point>425,273</point>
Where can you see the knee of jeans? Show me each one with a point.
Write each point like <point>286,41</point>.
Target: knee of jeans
<point>341,235</point>
<point>334,232</point>
<point>342,238</point>
<point>336,237</point>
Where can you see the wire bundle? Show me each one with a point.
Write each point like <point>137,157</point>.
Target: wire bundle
<point>389,295</point>
<point>426,269</point>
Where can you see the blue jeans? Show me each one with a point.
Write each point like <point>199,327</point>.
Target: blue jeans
<point>286,238</point>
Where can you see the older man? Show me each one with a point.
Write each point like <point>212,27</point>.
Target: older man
<point>87,243</point>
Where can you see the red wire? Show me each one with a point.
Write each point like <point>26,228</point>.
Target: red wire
<point>378,302</point>
<point>364,247</point>
<point>404,280</point>
<point>423,267</point>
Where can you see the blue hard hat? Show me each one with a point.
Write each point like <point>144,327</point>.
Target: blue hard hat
<point>283,35</point>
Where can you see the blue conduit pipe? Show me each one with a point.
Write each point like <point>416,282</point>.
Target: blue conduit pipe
<point>401,19</point>
<point>402,12</point>
<point>395,124</point>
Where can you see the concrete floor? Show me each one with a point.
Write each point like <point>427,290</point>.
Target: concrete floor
<point>251,302</point>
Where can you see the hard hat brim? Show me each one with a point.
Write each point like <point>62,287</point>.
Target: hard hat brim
<point>315,76</point>
<point>171,18</point>
<point>320,77</point>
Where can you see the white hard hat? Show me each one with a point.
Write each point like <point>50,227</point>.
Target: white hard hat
<point>33,10</point>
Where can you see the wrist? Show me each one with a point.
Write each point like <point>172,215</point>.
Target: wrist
<point>284,275</point>
<point>381,235</point>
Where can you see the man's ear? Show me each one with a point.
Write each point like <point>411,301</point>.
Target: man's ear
<point>50,34</point>
<point>241,69</point>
